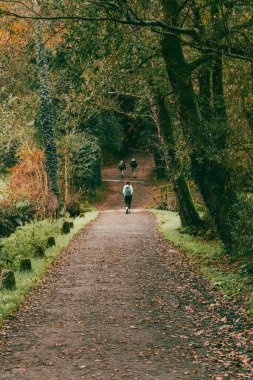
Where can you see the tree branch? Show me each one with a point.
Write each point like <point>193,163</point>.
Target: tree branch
<point>195,64</point>
<point>142,23</point>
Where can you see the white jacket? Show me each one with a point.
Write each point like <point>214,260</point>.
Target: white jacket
<point>131,188</point>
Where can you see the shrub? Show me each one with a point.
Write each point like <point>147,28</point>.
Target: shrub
<point>87,164</point>
<point>73,208</point>
<point>24,241</point>
<point>6,227</point>
<point>8,156</point>
<point>82,153</point>
<point>241,220</point>
<point>28,182</point>
<point>14,214</point>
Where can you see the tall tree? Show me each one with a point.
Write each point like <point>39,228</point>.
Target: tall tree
<point>45,117</point>
<point>186,208</point>
<point>209,172</point>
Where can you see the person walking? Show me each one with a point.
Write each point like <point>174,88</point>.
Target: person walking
<point>122,167</point>
<point>133,165</point>
<point>128,193</point>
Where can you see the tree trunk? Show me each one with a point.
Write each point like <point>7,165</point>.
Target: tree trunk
<point>160,166</point>
<point>248,106</point>
<point>186,209</point>
<point>45,117</point>
<point>205,93</point>
<point>208,170</point>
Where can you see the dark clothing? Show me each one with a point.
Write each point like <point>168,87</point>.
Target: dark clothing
<point>128,200</point>
<point>133,164</point>
<point>122,165</point>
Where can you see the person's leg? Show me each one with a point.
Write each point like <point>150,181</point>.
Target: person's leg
<point>129,202</point>
<point>126,203</point>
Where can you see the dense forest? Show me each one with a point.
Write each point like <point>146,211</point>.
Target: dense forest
<point>82,81</point>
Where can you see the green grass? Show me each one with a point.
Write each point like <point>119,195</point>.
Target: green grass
<point>25,282</point>
<point>209,258</point>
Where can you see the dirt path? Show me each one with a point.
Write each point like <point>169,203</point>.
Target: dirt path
<point>120,303</point>
<point>142,185</point>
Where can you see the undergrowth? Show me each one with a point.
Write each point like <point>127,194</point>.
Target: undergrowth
<point>26,281</point>
<point>209,257</point>
<point>100,194</point>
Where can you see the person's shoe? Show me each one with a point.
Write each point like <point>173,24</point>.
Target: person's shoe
<point>126,210</point>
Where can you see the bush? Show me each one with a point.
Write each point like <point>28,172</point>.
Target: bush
<point>6,227</point>
<point>23,243</point>
<point>241,220</point>
<point>8,152</point>
<point>73,208</point>
<point>28,182</point>
<point>87,164</point>
<point>83,155</point>
<point>13,215</point>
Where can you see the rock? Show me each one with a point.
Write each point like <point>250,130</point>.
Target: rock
<point>65,228</point>
<point>8,280</point>
<point>51,241</point>
<point>40,251</point>
<point>25,265</point>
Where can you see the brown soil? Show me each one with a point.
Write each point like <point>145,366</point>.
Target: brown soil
<point>121,303</point>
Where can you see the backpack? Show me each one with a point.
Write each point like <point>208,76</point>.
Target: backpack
<point>133,164</point>
<point>121,165</point>
<point>127,191</point>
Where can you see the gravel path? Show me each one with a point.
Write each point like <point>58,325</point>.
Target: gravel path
<point>121,303</point>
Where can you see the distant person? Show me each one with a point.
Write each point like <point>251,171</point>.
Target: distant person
<point>128,193</point>
<point>133,165</point>
<point>122,167</point>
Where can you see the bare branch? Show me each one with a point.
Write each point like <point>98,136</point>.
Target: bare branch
<point>141,23</point>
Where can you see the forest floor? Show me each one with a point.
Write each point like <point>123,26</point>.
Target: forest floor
<point>121,303</point>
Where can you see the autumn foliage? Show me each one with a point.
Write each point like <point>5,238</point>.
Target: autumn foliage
<point>28,181</point>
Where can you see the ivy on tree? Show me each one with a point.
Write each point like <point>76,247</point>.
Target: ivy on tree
<point>45,118</point>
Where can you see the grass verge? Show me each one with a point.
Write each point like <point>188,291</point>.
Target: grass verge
<point>25,282</point>
<point>210,259</point>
